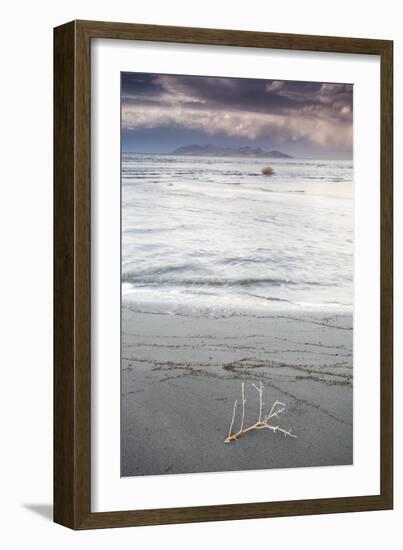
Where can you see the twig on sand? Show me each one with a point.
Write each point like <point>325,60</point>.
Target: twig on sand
<point>262,422</point>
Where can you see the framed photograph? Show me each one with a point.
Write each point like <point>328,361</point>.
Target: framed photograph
<point>223,315</point>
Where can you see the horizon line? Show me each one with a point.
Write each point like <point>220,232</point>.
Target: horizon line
<point>292,157</point>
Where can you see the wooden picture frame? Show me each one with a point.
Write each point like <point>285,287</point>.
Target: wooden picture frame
<point>72,270</point>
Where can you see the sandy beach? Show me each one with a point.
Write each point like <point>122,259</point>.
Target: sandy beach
<point>181,375</point>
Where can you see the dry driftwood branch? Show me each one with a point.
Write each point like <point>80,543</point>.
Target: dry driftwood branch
<point>263,422</point>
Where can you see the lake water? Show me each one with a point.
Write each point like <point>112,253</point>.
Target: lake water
<point>213,236</point>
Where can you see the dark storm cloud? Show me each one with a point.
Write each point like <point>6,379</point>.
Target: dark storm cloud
<point>139,84</point>
<point>285,111</point>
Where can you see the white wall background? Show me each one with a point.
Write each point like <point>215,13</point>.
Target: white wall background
<point>26,270</point>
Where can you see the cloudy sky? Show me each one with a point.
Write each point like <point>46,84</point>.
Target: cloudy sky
<point>305,119</point>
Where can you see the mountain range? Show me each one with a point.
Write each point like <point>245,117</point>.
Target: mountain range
<point>214,151</point>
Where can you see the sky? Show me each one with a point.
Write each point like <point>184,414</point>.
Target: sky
<point>304,119</point>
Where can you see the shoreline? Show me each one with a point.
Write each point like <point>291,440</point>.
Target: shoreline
<point>182,374</point>
<point>191,306</point>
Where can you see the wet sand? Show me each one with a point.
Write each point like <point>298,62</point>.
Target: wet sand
<point>182,374</point>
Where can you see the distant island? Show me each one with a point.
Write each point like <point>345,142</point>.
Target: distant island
<point>214,151</point>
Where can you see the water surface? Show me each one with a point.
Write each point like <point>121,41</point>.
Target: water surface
<point>214,236</point>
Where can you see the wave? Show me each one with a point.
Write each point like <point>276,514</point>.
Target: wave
<point>154,278</point>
